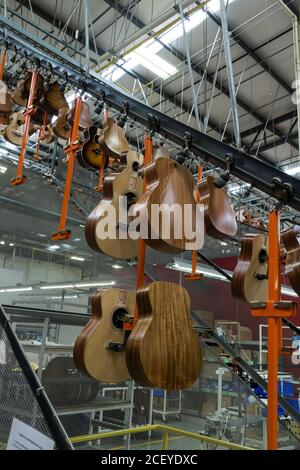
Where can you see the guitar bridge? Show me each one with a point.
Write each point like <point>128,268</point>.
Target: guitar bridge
<point>116,347</point>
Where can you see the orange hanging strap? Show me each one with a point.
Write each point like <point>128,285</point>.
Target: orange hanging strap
<point>70,150</point>
<point>40,137</point>
<point>2,63</point>
<point>194,276</point>
<point>99,188</point>
<point>140,273</point>
<point>27,113</point>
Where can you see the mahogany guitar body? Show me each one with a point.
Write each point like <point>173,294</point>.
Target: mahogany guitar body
<point>219,216</point>
<point>112,139</point>
<point>292,266</point>
<point>170,184</point>
<point>99,350</point>
<point>127,183</point>
<point>163,351</point>
<point>249,281</point>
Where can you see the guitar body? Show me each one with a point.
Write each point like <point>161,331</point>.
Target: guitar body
<point>64,384</point>
<point>219,216</point>
<point>38,117</point>
<point>91,155</point>
<point>13,133</point>
<point>5,103</point>
<point>53,99</point>
<point>93,351</point>
<point>61,127</point>
<point>292,266</point>
<point>112,139</point>
<point>249,280</point>
<point>24,87</point>
<point>169,183</point>
<point>163,351</point>
<point>17,95</point>
<point>85,120</point>
<point>115,185</point>
<point>48,137</point>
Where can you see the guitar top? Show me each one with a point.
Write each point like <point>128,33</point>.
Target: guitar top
<point>13,133</point>
<point>292,266</point>
<point>163,351</point>
<point>169,184</point>
<point>219,216</point>
<point>250,277</point>
<point>53,99</point>
<point>99,350</point>
<point>61,127</point>
<point>112,139</point>
<point>126,183</point>
<point>91,155</point>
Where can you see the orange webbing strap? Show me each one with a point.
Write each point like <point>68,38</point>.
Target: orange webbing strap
<point>27,113</point>
<point>2,63</point>
<point>140,272</point>
<point>71,149</point>
<point>40,137</point>
<point>99,188</point>
<point>193,276</point>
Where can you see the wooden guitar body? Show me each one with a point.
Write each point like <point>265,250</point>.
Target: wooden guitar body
<point>112,139</point>
<point>5,103</point>
<point>64,384</point>
<point>17,95</point>
<point>126,183</point>
<point>48,135</point>
<point>24,87</point>
<point>249,280</point>
<point>85,120</point>
<point>219,216</point>
<point>163,351</point>
<point>13,133</point>
<point>61,127</point>
<point>99,350</point>
<point>53,99</point>
<point>292,266</point>
<point>91,155</point>
<point>169,184</point>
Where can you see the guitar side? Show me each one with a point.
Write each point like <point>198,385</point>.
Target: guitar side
<point>291,244</point>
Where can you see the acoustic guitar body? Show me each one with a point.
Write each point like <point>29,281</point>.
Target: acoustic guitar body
<point>292,266</point>
<point>53,99</point>
<point>112,139</point>
<point>48,135</point>
<point>85,120</point>
<point>61,127</point>
<point>91,155</point>
<point>13,133</point>
<point>17,95</point>
<point>25,85</point>
<point>99,350</point>
<point>5,103</point>
<point>64,384</point>
<point>219,216</point>
<point>127,183</point>
<point>249,280</point>
<point>163,351</point>
<point>170,184</point>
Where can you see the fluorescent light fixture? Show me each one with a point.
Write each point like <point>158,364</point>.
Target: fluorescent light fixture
<point>2,242</point>
<point>77,258</point>
<point>16,289</point>
<point>116,266</point>
<point>53,247</point>
<point>179,265</point>
<point>82,225</point>
<point>293,171</point>
<point>65,297</point>
<point>11,244</point>
<point>63,286</point>
<point>42,235</point>
<point>3,169</point>
<point>95,284</point>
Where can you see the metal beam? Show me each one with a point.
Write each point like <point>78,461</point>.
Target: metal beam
<point>280,119</point>
<point>246,167</point>
<point>276,143</point>
<point>198,69</point>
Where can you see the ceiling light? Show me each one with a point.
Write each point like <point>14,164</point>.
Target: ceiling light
<point>154,63</point>
<point>82,225</point>
<point>77,258</point>
<point>11,244</point>
<point>16,289</point>
<point>116,266</point>
<point>64,286</point>
<point>3,169</point>
<point>179,265</point>
<point>2,242</point>
<point>293,171</point>
<point>65,297</point>
<point>53,247</point>
<point>95,284</point>
<point>42,235</point>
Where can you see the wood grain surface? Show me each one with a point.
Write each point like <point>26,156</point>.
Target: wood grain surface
<point>169,183</point>
<point>219,216</point>
<point>245,285</point>
<point>126,182</point>
<point>91,155</point>
<point>163,350</point>
<point>292,266</point>
<point>91,355</point>
<point>112,139</point>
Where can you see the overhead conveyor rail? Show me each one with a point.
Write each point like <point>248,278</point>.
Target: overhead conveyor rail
<point>250,169</point>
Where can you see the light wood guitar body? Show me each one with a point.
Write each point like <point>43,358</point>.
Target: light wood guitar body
<point>99,350</point>
<point>112,139</point>
<point>292,265</point>
<point>163,351</point>
<point>249,281</point>
<point>126,183</point>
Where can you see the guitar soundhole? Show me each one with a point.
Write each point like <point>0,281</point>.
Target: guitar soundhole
<point>131,199</point>
<point>263,256</point>
<point>135,166</point>
<point>118,318</point>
